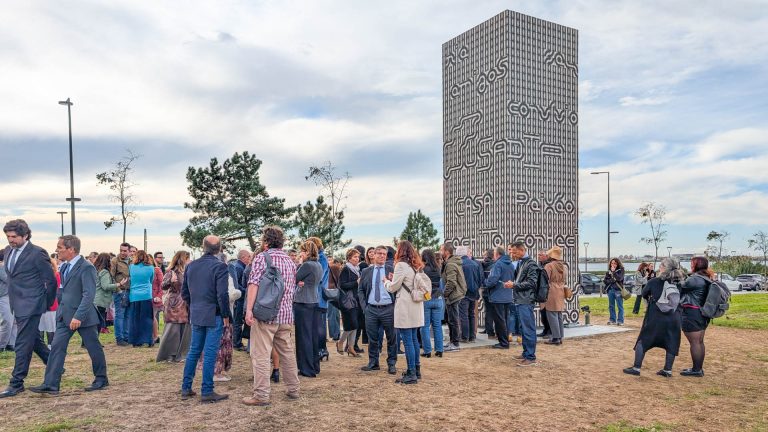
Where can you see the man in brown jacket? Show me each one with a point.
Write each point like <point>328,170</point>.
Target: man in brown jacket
<point>455,289</point>
<point>122,275</point>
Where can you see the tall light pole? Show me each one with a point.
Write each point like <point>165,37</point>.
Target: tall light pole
<point>71,198</point>
<point>669,251</point>
<point>62,213</point>
<point>609,212</point>
<point>586,257</point>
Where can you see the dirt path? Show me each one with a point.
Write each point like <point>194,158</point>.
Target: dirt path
<point>577,386</point>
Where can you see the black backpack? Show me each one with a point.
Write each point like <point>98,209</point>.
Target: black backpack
<point>542,286</point>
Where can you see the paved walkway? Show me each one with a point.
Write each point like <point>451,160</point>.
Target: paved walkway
<point>570,333</point>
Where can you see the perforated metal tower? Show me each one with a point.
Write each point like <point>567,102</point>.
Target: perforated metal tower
<point>510,137</point>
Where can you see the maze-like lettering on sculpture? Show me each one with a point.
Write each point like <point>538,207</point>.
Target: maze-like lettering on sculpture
<point>510,137</point>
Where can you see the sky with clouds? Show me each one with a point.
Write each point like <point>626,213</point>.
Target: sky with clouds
<point>673,101</point>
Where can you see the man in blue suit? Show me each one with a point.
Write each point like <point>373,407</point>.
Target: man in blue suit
<point>76,312</point>
<point>31,291</point>
<point>379,308</point>
<point>205,289</point>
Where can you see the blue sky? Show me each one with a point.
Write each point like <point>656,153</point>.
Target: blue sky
<point>672,100</point>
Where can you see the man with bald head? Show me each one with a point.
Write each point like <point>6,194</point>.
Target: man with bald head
<point>205,289</point>
<point>236,270</point>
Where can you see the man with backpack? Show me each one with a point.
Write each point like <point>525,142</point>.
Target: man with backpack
<point>455,289</point>
<point>271,316</point>
<point>525,286</point>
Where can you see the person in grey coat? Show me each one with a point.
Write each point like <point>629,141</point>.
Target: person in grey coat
<point>76,312</point>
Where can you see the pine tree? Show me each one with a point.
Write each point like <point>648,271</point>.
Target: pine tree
<point>420,231</point>
<point>316,220</point>
<point>230,202</point>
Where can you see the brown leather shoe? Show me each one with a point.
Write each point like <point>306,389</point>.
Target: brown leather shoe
<point>293,396</point>
<point>527,363</point>
<point>252,401</point>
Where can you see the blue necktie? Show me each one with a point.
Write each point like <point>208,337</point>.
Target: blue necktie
<point>64,272</point>
<point>377,285</point>
<point>12,261</point>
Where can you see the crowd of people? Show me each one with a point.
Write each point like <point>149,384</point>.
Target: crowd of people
<point>207,307</point>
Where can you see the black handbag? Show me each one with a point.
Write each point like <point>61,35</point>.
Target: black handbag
<point>348,301</point>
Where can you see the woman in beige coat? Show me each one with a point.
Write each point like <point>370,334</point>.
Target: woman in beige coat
<point>555,304</point>
<point>409,315</point>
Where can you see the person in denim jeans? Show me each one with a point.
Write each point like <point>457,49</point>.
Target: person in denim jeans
<point>205,290</point>
<point>614,280</point>
<point>120,270</point>
<point>434,308</point>
<point>524,285</point>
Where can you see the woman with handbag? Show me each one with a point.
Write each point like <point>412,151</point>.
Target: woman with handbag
<point>105,288</point>
<point>177,333</point>
<point>614,285</point>
<point>348,304</point>
<point>409,314</point>
<point>555,304</point>
<point>308,277</point>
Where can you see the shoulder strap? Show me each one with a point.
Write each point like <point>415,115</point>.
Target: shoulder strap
<point>267,260</point>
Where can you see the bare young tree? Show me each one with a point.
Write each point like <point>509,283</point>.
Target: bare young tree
<point>333,186</point>
<point>759,242</point>
<point>719,237</point>
<point>120,185</point>
<point>654,215</point>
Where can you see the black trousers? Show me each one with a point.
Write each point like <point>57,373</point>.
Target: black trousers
<point>321,334</point>
<point>488,317</point>
<point>454,323</point>
<point>307,346</point>
<point>468,319</point>
<point>102,317</point>
<point>545,322</point>
<point>499,313</point>
<point>90,336</point>
<point>638,302</point>
<point>237,322</point>
<point>28,340</point>
<point>378,319</point>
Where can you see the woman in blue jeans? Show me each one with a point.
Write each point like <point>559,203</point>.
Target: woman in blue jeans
<point>409,314</point>
<point>614,280</point>
<point>433,309</point>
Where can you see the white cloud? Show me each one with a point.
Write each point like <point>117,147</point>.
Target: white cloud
<point>629,101</point>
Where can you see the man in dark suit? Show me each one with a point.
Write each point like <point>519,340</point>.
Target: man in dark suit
<point>205,289</point>
<point>31,291</point>
<point>76,312</point>
<point>236,270</point>
<point>379,306</point>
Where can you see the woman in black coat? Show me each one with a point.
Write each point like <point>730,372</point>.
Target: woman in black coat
<point>348,303</point>
<point>659,330</point>
<point>693,296</point>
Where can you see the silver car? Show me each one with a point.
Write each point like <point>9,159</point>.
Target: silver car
<point>750,281</point>
<point>730,282</point>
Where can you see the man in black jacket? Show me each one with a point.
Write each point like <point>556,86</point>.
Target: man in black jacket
<point>31,291</point>
<point>524,286</point>
<point>205,290</point>
<point>379,306</point>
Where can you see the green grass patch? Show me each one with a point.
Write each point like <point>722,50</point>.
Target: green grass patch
<point>624,426</point>
<point>747,311</point>
<point>60,425</point>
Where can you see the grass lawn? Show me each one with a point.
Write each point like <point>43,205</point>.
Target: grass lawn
<point>747,311</point>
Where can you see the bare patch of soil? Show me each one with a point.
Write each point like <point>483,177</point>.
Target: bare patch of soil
<point>576,386</point>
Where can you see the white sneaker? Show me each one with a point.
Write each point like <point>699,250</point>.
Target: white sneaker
<point>221,378</point>
<point>452,347</point>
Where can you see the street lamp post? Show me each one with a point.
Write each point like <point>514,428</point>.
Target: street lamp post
<point>609,212</point>
<point>586,257</point>
<point>71,198</point>
<point>669,251</point>
<point>62,213</point>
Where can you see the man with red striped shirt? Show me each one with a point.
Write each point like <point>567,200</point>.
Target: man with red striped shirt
<point>276,334</point>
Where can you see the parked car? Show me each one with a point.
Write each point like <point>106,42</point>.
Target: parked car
<point>590,284</point>
<point>629,282</point>
<point>750,282</point>
<point>730,282</point>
